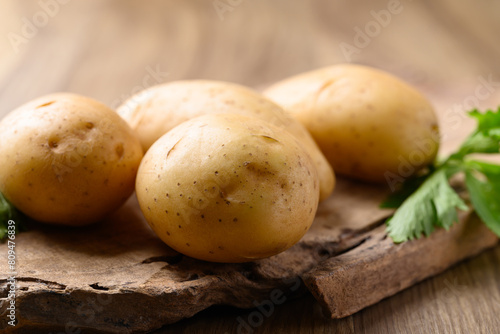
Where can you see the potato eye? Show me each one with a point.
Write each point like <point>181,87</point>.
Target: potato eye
<point>119,150</point>
<point>53,142</point>
<point>45,104</point>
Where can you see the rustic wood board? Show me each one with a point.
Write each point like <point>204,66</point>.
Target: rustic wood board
<point>118,277</point>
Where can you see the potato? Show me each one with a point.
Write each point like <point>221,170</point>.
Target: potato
<point>369,124</point>
<point>67,159</point>
<point>159,109</point>
<point>228,188</point>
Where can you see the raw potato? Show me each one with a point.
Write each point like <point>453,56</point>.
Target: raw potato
<point>67,159</point>
<point>228,188</point>
<point>157,110</point>
<point>369,124</point>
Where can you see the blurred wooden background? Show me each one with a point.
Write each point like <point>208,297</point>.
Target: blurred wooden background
<point>110,49</point>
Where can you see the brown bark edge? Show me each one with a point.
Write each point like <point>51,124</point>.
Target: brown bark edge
<point>378,268</point>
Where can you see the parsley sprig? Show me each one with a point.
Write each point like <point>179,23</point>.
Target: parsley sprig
<point>9,212</point>
<point>428,201</point>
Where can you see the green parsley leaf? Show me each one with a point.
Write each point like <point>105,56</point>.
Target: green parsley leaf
<point>488,122</point>
<point>477,143</point>
<point>428,201</point>
<point>396,199</point>
<point>483,182</point>
<point>8,212</point>
<point>486,139</point>
<point>434,203</point>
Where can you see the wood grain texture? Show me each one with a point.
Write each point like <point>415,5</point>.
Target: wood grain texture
<point>104,49</point>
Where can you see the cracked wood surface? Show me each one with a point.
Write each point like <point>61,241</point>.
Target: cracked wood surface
<point>121,268</point>
<point>111,272</point>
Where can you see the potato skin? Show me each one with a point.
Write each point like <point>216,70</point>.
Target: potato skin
<point>369,124</point>
<point>67,159</point>
<point>228,188</point>
<point>157,110</point>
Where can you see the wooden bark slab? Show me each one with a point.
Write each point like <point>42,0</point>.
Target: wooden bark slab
<point>118,277</point>
<point>378,268</point>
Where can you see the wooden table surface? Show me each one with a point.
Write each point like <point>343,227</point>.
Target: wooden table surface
<point>110,49</point>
